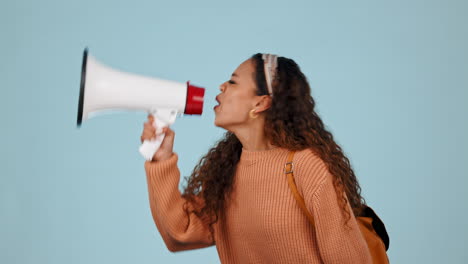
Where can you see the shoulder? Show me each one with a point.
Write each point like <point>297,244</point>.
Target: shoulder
<point>307,161</point>
<point>310,171</point>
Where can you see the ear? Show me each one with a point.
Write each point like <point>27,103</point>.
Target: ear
<point>263,103</point>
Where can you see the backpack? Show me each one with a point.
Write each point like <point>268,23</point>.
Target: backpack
<point>372,228</point>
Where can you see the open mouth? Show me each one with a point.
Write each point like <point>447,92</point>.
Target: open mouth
<point>219,103</point>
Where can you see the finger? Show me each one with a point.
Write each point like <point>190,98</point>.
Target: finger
<point>169,134</point>
<point>164,130</point>
<point>149,122</point>
<point>151,134</point>
<point>145,137</point>
<point>149,127</point>
<point>148,135</point>
<point>169,131</point>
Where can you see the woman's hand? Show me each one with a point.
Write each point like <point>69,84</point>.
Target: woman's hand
<point>166,149</point>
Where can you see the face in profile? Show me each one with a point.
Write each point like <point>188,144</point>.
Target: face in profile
<point>237,97</point>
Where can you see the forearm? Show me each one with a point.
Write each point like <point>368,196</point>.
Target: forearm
<point>179,228</point>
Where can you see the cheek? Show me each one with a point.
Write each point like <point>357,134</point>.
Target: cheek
<point>237,106</point>
<point>234,109</point>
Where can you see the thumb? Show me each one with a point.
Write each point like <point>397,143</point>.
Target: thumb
<point>169,132</point>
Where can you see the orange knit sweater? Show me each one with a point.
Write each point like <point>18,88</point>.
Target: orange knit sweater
<point>263,223</point>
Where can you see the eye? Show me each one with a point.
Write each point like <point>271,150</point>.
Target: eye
<point>231,82</point>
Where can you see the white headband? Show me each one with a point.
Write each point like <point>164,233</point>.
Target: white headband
<point>270,64</point>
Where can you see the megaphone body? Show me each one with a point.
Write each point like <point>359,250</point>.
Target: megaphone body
<point>103,88</point>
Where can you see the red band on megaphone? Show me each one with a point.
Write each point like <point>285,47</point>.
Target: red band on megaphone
<point>194,104</point>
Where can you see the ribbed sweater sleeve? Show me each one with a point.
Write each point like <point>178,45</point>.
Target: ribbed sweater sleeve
<point>336,243</point>
<point>180,228</point>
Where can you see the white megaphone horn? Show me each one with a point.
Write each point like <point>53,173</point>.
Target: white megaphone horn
<point>103,88</point>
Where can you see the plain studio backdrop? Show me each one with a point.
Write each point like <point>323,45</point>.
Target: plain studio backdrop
<point>389,79</point>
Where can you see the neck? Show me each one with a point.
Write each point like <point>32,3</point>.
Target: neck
<point>252,136</point>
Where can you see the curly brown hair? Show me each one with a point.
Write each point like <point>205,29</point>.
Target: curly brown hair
<point>290,123</point>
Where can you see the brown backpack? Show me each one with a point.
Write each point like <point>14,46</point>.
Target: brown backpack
<point>372,228</point>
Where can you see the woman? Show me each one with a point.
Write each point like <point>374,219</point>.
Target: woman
<point>238,198</point>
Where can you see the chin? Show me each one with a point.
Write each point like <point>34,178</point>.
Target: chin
<point>218,124</point>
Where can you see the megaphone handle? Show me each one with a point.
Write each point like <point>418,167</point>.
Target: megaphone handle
<point>149,147</point>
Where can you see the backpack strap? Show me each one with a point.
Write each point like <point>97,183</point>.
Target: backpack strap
<point>288,170</point>
<point>377,224</point>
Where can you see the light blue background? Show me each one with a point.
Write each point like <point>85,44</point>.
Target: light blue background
<point>389,78</point>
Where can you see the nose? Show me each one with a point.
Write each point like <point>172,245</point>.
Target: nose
<point>222,87</point>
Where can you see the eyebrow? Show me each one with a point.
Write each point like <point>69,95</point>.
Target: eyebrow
<point>235,75</point>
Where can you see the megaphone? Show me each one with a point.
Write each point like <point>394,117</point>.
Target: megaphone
<point>103,88</point>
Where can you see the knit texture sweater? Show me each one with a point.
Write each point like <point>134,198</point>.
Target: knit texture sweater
<point>263,223</point>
